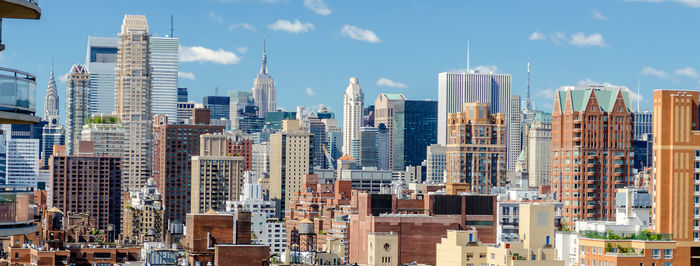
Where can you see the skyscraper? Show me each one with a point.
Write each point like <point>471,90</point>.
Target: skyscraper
<point>238,100</point>
<point>218,106</point>
<point>77,105</point>
<point>539,153</point>
<point>182,95</point>
<point>385,107</point>
<point>352,114</point>
<point>591,150</point>
<point>133,100</point>
<point>106,135</point>
<point>101,61</point>
<point>291,158</point>
<point>435,164</point>
<point>164,66</point>
<point>457,88</point>
<point>676,176</point>
<point>476,150</point>
<point>216,176</point>
<point>642,124</point>
<point>264,91</point>
<point>51,99</point>
<point>53,134</point>
<point>368,147</point>
<point>515,133</point>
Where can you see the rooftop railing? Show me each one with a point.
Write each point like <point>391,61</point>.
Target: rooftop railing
<point>17,91</point>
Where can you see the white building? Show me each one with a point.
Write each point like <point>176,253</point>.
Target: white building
<point>515,133</point>
<point>436,162</point>
<point>454,89</point>
<point>101,60</point>
<point>22,161</point>
<point>352,114</point>
<point>264,91</point>
<point>261,159</point>
<point>368,178</point>
<point>164,67</point>
<point>266,230</point>
<point>184,111</point>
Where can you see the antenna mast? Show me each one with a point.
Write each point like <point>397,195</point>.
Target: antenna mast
<point>468,56</point>
<point>172,35</point>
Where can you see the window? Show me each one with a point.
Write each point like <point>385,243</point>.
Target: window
<point>656,254</point>
<point>668,264</point>
<point>668,254</point>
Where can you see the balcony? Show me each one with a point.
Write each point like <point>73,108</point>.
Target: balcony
<point>20,9</point>
<point>17,97</point>
<point>18,204</point>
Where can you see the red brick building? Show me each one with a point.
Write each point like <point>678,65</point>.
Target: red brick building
<point>592,132</point>
<point>239,144</point>
<point>174,145</point>
<point>419,222</point>
<point>87,184</point>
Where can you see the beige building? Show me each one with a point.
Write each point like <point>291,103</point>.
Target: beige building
<point>291,158</point>
<point>143,215</point>
<point>383,249</point>
<point>77,103</point>
<point>216,177</point>
<point>105,133</point>
<point>535,246</point>
<point>133,100</point>
<point>539,153</point>
<point>476,149</point>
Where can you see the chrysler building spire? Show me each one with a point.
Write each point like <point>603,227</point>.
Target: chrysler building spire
<point>51,100</point>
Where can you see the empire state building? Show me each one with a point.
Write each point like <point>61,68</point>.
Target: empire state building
<point>264,91</point>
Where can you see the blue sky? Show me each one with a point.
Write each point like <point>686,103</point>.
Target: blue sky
<point>392,46</point>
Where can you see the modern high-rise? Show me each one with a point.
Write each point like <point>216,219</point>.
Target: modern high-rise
<point>164,66</point>
<point>101,61</point>
<point>248,120</point>
<point>476,150</point>
<point>53,134</point>
<point>352,114</point>
<point>539,151</point>
<point>383,148</point>
<point>105,134</point>
<point>334,146</point>
<point>184,111</point>
<point>454,89</point>
<point>182,95</point>
<point>216,176</point>
<point>436,162</point>
<point>173,147</point>
<point>133,100</point>
<point>21,164</point>
<point>411,124</point>
<point>218,106</point>
<point>591,150</point>
<point>642,124</point>
<point>51,100</point>
<point>238,100</point>
<point>87,184</point>
<point>675,183</point>
<point>77,105</point>
<point>368,147</point>
<point>274,118</point>
<point>291,158</point>
<point>515,132</point>
<point>318,129</point>
<point>264,91</point>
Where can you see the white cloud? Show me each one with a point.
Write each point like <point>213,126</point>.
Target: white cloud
<point>537,36</point>
<point>317,6</point>
<point>295,26</point>
<point>548,93</point>
<point>203,54</point>
<point>185,75</point>
<point>649,71</point>
<point>360,34</point>
<point>580,39</point>
<point>242,50</point>
<point>558,37</point>
<point>687,71</point>
<point>599,16</point>
<point>633,96</point>
<point>244,26</point>
<point>690,3</point>
<point>390,83</point>
<point>216,17</point>
<point>310,92</point>
<point>63,78</point>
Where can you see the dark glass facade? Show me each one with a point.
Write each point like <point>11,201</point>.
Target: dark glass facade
<point>419,129</point>
<point>218,106</point>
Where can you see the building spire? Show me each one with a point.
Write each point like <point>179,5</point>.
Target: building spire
<point>263,68</point>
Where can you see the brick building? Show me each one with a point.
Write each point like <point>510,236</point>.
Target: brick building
<point>591,150</point>
<point>418,223</point>
<point>87,184</point>
<point>476,149</point>
<point>174,145</point>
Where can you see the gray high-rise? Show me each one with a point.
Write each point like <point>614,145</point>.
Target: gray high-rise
<point>101,61</point>
<point>164,67</point>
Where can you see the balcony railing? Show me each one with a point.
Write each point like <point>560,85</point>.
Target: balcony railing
<point>17,96</point>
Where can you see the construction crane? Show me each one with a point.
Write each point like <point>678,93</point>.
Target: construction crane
<point>328,157</point>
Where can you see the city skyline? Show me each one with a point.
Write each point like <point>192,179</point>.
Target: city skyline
<point>565,54</point>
